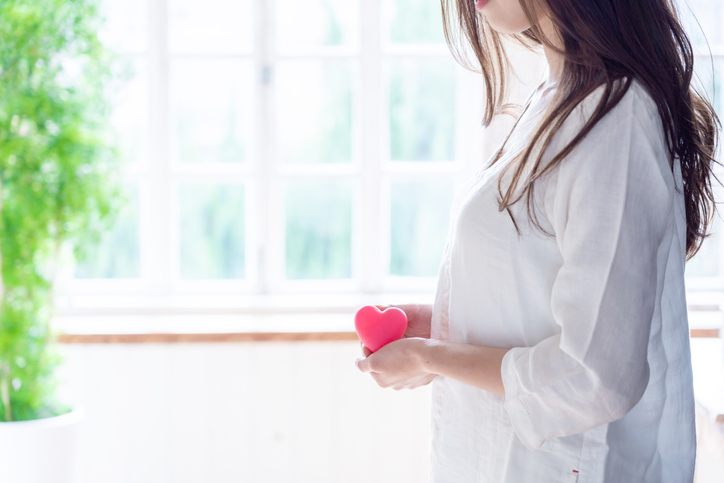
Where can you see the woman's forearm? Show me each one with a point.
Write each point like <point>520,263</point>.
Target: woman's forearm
<point>476,365</point>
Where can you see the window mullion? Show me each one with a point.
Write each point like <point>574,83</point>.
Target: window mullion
<point>264,251</point>
<point>156,220</point>
<point>368,246</point>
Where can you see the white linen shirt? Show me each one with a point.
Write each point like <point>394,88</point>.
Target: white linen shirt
<point>598,383</point>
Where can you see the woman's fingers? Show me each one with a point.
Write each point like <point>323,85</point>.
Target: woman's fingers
<point>365,350</point>
<point>386,381</point>
<point>363,364</point>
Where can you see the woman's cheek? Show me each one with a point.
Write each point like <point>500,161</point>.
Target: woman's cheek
<point>505,16</point>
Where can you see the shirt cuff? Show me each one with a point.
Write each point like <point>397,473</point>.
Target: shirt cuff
<point>517,412</point>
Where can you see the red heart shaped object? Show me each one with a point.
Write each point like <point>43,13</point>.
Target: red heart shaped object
<point>377,328</point>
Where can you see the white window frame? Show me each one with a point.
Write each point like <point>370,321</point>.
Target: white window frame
<point>711,289</point>
<point>160,286</point>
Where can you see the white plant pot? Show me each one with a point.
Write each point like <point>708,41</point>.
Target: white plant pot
<point>39,451</point>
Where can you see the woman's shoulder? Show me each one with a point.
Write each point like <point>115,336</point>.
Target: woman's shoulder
<point>633,119</point>
<point>642,98</point>
<point>636,106</point>
<point>628,138</point>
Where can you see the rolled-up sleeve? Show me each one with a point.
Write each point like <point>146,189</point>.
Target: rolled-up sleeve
<point>609,203</point>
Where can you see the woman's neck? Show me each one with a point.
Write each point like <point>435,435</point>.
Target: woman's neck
<point>554,58</point>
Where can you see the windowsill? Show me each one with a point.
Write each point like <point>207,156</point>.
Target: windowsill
<point>204,324</point>
<point>707,359</point>
<point>201,318</point>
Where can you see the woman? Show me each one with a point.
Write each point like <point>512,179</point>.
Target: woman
<point>558,342</point>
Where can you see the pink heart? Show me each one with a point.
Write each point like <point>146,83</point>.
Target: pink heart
<point>377,328</point>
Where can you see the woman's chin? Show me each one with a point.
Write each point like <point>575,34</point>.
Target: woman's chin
<point>501,18</point>
<point>502,27</point>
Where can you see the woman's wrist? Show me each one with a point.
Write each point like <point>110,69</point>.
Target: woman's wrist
<point>479,366</point>
<point>427,352</point>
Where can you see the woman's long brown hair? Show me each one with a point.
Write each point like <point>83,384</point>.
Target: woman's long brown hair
<point>606,43</point>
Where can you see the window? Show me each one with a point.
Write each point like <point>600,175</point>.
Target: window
<point>703,20</point>
<point>278,147</point>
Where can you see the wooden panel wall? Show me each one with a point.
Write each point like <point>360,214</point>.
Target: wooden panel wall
<point>264,412</point>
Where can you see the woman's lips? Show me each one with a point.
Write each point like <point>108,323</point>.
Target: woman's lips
<point>480,4</point>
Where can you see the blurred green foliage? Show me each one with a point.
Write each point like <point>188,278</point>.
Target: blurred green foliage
<point>212,231</point>
<point>58,174</point>
<point>208,102</point>
<point>416,21</point>
<point>118,253</point>
<point>335,30</point>
<point>422,110</point>
<point>334,120</point>
<point>420,212</point>
<point>327,125</point>
<point>230,150</point>
<point>318,230</point>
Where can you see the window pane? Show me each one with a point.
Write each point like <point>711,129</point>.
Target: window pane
<point>210,27</point>
<point>420,212</point>
<point>707,263</point>
<point>422,110</point>
<point>130,110</point>
<point>118,253</point>
<point>702,20</point>
<point>318,230</point>
<point>210,111</point>
<point>126,26</point>
<point>712,80</point>
<point>413,21</point>
<point>316,23</point>
<point>212,231</point>
<point>314,111</point>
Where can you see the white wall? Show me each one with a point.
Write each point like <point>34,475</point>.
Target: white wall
<point>273,412</point>
<point>242,412</point>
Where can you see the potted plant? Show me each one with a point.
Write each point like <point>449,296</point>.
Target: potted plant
<point>58,184</point>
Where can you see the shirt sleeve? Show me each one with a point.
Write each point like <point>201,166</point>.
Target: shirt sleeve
<point>610,203</point>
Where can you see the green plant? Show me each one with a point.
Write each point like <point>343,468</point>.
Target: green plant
<point>58,172</point>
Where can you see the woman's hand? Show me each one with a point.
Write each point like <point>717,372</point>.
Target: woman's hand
<point>397,365</point>
<point>419,317</point>
<point>404,351</point>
